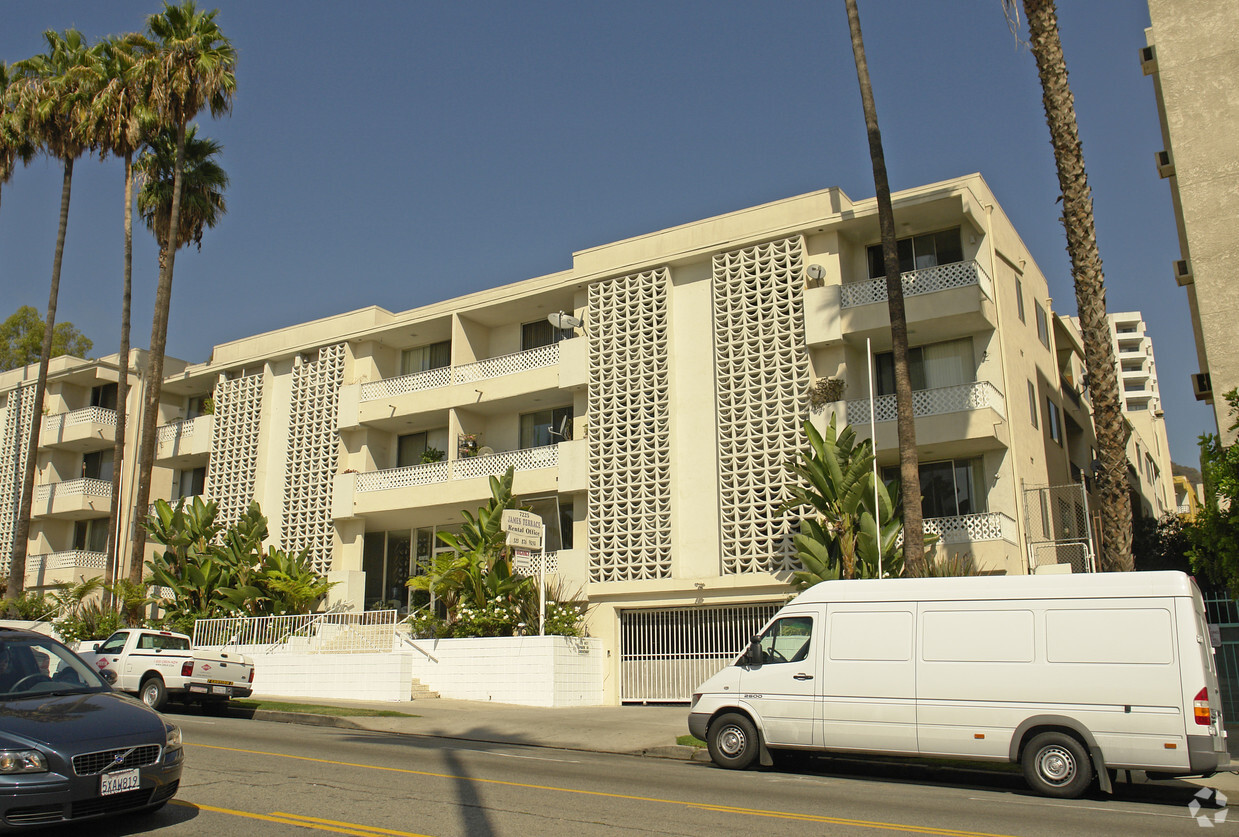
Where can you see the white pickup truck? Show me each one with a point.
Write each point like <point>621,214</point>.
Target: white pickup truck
<point>158,665</point>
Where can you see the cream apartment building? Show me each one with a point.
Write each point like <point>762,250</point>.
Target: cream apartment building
<point>1192,55</point>
<point>653,439</point>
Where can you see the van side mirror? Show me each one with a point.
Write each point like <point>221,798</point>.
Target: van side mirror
<point>753,655</point>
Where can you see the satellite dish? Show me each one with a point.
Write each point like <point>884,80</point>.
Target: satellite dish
<point>565,429</point>
<point>816,272</point>
<point>486,450</point>
<point>564,322</point>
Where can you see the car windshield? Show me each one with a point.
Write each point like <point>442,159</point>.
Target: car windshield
<point>32,666</point>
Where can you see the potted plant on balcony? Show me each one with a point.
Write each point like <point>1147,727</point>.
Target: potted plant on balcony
<point>466,445</point>
<point>825,391</point>
<point>432,455</point>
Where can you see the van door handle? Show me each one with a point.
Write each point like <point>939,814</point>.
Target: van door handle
<point>802,676</point>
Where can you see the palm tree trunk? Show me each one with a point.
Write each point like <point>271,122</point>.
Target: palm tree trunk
<point>17,565</point>
<point>122,393</point>
<point>909,463</point>
<point>1111,428</point>
<point>154,369</point>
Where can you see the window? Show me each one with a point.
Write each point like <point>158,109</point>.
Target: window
<point>1054,423</point>
<point>103,396</point>
<point>1032,403</point>
<point>546,427</point>
<point>556,514</point>
<point>1043,326</point>
<point>539,333</point>
<point>786,640</point>
<point>425,358</point>
<point>199,405</point>
<point>919,252</point>
<point>386,561</point>
<point>90,535</point>
<point>97,465</point>
<point>1019,299</point>
<point>409,449</point>
<point>945,364</point>
<point>950,488</point>
<point>191,482</point>
<point>113,644</point>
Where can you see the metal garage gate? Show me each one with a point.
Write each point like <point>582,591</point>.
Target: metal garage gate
<point>666,653</point>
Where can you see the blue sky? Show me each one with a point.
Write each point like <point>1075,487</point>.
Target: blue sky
<point>400,153</point>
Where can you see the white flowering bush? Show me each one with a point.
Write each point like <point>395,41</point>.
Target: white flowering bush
<point>499,617</point>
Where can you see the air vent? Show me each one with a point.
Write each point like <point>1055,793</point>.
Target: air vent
<point>1165,166</point>
<point>1202,386</point>
<point>1183,272</point>
<point>1148,60</point>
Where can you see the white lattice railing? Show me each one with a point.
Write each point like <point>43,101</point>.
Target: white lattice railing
<point>932,402</point>
<point>459,469</point>
<point>68,488</point>
<point>494,367</point>
<point>182,429</point>
<point>65,560</point>
<point>529,566</point>
<point>927,280</point>
<point>89,415</point>
<point>417,382</point>
<point>966,528</point>
<point>311,633</point>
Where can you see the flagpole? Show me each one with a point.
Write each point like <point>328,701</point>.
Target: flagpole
<point>873,435</point>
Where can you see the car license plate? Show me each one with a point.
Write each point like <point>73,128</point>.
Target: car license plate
<point>195,687</point>
<point>119,781</point>
<point>221,690</point>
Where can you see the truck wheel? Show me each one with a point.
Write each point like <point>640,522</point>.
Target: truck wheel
<point>732,740</point>
<point>1056,764</point>
<point>153,693</point>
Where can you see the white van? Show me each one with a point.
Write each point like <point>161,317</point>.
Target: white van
<point>1069,675</point>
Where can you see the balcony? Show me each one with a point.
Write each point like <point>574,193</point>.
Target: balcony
<point>970,528</point>
<point>90,429</point>
<point>941,302</point>
<point>63,567</point>
<point>73,499</point>
<point>434,391</point>
<point>448,483</point>
<point>182,443</point>
<point>951,421</point>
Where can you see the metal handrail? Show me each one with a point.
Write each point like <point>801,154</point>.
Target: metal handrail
<point>338,607</point>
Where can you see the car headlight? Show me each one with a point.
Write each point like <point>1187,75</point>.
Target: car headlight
<point>174,738</point>
<point>22,761</point>
<point>696,697</point>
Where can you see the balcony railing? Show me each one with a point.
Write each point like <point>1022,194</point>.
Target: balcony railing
<point>966,528</point>
<point>84,487</point>
<point>65,560</point>
<point>88,415</point>
<point>493,367</point>
<point>459,469</point>
<point>927,280</point>
<point>933,402</point>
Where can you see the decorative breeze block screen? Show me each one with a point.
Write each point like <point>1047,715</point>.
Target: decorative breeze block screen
<point>234,445</point>
<point>629,443</point>
<point>313,447</point>
<point>762,381</point>
<point>13,445</point>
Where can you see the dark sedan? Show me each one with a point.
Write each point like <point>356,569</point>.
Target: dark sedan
<point>71,748</point>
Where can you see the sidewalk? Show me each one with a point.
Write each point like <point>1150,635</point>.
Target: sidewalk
<point>629,730</point>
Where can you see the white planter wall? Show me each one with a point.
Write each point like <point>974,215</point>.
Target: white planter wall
<point>343,676</point>
<point>530,670</point>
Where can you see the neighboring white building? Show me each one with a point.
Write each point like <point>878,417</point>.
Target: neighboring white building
<point>654,439</point>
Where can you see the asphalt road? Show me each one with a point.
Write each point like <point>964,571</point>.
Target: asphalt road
<point>255,777</point>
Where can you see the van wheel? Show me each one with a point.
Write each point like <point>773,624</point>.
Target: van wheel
<point>1056,764</point>
<point>153,693</point>
<point>733,741</point>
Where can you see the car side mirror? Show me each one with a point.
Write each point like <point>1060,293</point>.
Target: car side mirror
<point>108,675</point>
<point>753,655</point>
<point>96,647</point>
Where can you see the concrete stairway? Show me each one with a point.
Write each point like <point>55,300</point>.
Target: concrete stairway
<point>421,691</point>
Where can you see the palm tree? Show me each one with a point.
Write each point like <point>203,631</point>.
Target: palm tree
<point>201,204</point>
<point>192,67</point>
<point>1111,427</point>
<point>122,121</point>
<point>48,102</point>
<point>15,145</point>
<point>909,464</point>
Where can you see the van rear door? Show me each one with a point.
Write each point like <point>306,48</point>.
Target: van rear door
<point>1203,677</point>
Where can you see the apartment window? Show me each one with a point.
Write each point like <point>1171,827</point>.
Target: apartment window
<point>539,333</point>
<point>1019,299</point>
<point>409,449</point>
<point>191,482</point>
<point>1043,326</point>
<point>945,364</point>
<point>90,535</point>
<point>425,358</point>
<point>97,465</point>
<point>546,427</point>
<point>1032,403</point>
<point>103,396</point>
<point>386,561</point>
<point>1055,423</point>
<point>198,406</point>
<point>920,251</point>
<point>556,514</point>
<point>950,488</point>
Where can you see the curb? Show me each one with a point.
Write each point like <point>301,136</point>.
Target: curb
<point>305,718</point>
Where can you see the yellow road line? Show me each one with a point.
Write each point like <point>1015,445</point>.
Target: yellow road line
<point>305,822</point>
<point>756,812</point>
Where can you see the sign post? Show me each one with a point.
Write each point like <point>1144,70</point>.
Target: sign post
<point>526,531</point>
